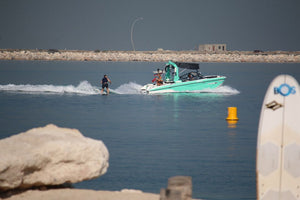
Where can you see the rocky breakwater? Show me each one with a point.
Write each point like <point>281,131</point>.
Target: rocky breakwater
<point>49,156</point>
<point>153,56</point>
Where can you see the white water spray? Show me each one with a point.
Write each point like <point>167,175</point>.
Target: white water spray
<point>85,88</point>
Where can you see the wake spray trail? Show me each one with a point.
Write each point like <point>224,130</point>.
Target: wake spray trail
<point>84,88</point>
<point>129,88</point>
<point>226,90</point>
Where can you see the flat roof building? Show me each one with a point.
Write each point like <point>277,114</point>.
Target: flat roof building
<point>212,47</point>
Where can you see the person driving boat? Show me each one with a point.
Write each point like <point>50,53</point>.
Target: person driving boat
<point>190,76</point>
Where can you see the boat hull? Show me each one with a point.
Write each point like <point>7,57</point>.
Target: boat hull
<point>187,86</point>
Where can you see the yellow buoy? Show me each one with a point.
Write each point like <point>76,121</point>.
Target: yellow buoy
<point>232,114</point>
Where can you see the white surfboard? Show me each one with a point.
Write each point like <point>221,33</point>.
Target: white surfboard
<point>278,142</point>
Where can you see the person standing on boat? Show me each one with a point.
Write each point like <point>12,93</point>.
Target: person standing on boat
<point>104,83</point>
<point>159,80</point>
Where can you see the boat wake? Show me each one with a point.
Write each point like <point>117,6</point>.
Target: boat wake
<point>85,88</point>
<point>226,90</point>
<point>129,88</point>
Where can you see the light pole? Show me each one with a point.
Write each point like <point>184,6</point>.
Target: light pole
<point>132,26</point>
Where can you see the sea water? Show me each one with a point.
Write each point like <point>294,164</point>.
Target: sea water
<point>149,137</point>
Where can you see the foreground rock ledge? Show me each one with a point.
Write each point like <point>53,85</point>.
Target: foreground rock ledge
<point>77,194</point>
<point>50,156</point>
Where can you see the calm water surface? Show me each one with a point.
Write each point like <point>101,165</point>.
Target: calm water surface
<point>149,137</point>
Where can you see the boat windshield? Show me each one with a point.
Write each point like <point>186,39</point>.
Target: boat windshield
<point>190,71</point>
<point>190,75</point>
<point>171,72</point>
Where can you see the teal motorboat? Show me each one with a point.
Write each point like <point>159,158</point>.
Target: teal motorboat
<point>188,80</point>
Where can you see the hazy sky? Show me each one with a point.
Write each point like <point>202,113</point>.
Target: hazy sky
<point>168,24</point>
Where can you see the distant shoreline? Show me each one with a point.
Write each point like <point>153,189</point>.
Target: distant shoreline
<point>152,56</point>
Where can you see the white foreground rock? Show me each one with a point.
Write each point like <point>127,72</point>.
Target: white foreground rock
<point>50,156</point>
<point>78,194</point>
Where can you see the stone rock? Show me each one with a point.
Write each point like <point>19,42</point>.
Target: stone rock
<point>131,191</point>
<point>80,194</point>
<point>50,156</point>
<point>182,184</point>
<point>179,188</point>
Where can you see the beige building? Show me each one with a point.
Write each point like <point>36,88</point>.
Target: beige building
<point>212,47</point>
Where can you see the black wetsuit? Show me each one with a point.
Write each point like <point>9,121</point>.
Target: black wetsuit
<point>104,83</point>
